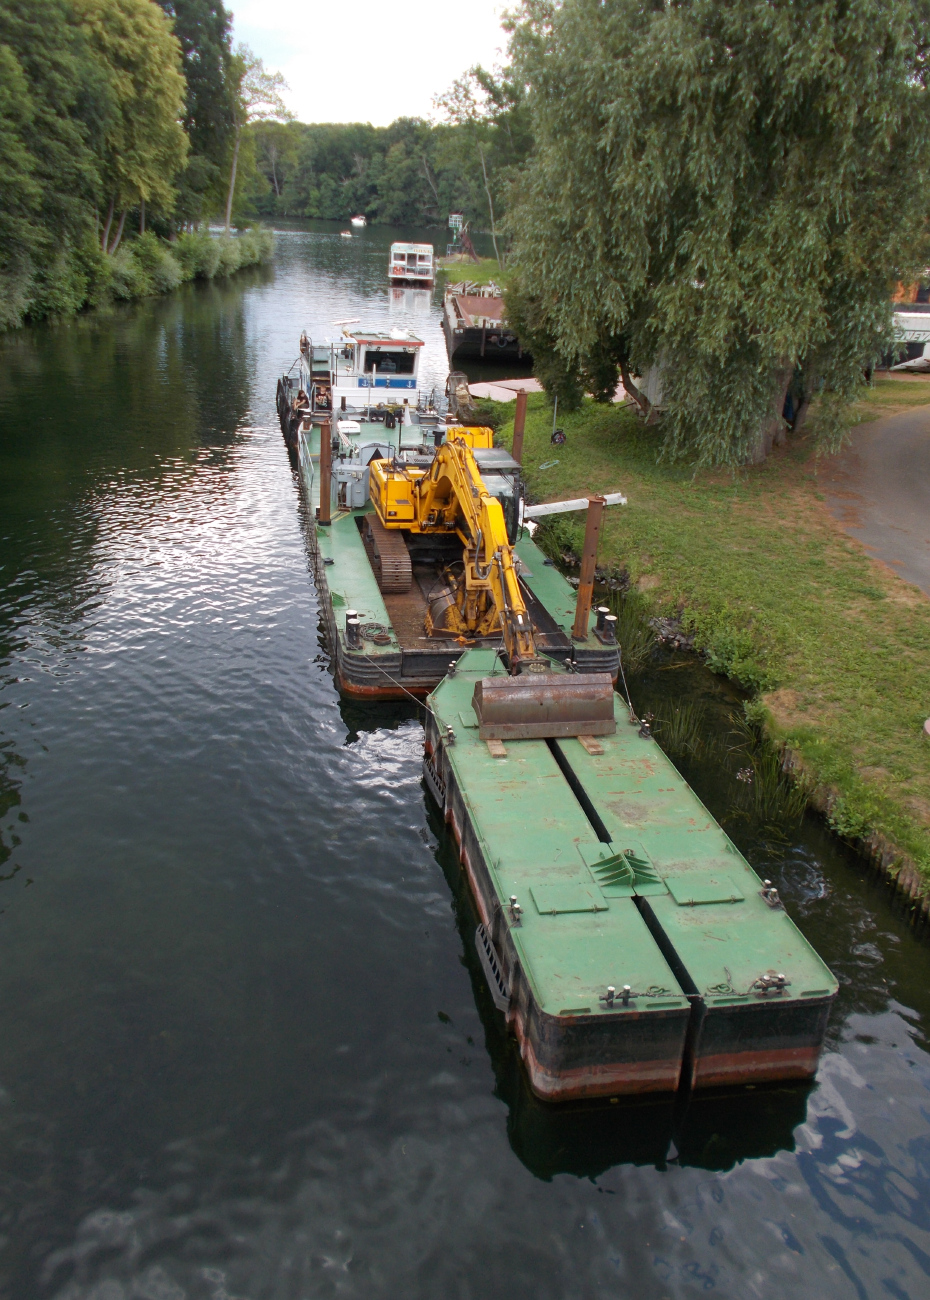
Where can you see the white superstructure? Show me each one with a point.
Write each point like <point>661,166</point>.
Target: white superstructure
<point>412,263</point>
<point>364,366</point>
<point>912,328</point>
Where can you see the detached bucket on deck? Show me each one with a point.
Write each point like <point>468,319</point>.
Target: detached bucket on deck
<point>539,706</point>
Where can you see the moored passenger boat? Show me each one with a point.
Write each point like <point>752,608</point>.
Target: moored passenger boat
<point>411,264</point>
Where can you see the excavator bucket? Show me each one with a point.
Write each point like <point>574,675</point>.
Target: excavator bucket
<point>537,706</point>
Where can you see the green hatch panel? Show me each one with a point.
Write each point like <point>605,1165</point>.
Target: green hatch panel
<point>553,900</point>
<point>688,891</point>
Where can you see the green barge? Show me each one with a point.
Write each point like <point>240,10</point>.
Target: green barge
<point>393,655</point>
<point>629,945</point>
<point>627,941</point>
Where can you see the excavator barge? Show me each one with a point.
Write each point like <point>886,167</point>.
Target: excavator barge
<point>629,944</point>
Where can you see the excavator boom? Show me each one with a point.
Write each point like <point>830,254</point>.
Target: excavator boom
<point>482,597</point>
<point>451,497</point>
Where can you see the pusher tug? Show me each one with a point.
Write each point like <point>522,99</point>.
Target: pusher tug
<point>628,943</point>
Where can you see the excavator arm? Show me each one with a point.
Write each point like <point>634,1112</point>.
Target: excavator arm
<point>451,497</point>
<point>454,495</point>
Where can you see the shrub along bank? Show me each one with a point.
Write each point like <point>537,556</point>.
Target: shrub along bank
<point>835,648</point>
<point>148,265</point>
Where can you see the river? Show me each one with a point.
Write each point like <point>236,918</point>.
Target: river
<point>245,1050</point>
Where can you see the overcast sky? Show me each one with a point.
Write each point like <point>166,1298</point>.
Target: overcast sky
<point>368,60</point>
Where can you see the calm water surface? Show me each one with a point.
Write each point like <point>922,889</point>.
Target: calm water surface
<point>244,1047</point>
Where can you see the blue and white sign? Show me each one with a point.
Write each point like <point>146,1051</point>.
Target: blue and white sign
<point>387,381</point>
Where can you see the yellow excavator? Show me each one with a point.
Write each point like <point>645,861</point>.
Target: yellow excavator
<point>445,496</point>
<point>481,595</point>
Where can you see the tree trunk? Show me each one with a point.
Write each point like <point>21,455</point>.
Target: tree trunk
<point>801,416</point>
<point>487,190</point>
<point>119,233</point>
<point>274,176</point>
<point>636,394</point>
<point>429,181</point>
<point>142,218</point>
<point>772,432</point>
<point>105,239</point>
<point>232,177</point>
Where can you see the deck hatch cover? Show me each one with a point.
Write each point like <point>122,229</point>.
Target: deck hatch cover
<point>691,890</point>
<point>550,900</point>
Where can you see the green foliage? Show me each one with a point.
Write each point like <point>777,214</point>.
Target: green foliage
<point>161,269</point>
<point>410,172</point>
<point>90,96</point>
<point>732,646</point>
<point>148,265</point>
<point>55,100</point>
<point>203,29</point>
<point>198,253</point>
<point>636,637</point>
<point>725,192</point>
<point>143,143</point>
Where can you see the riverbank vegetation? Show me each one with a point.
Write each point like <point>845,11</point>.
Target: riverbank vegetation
<point>834,648</point>
<point>722,197</point>
<point>412,172</point>
<point>482,272</point>
<point>119,123</point>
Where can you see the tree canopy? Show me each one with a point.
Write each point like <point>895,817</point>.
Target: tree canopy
<point>725,192</point>
<point>412,172</point>
<point>203,28</point>
<point>144,145</point>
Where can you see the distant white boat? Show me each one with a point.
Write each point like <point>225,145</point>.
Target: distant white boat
<point>359,221</point>
<point>346,234</point>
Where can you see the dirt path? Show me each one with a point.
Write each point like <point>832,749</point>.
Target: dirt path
<point>878,488</point>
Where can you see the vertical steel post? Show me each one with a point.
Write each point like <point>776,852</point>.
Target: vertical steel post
<point>588,565</point>
<point>519,421</point>
<point>323,513</point>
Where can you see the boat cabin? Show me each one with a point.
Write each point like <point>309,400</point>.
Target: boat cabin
<point>412,263</point>
<point>354,372</point>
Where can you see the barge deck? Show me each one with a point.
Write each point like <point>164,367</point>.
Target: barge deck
<point>628,942</point>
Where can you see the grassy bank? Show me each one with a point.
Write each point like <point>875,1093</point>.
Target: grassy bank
<point>145,265</point>
<point>834,646</point>
<point>480,272</point>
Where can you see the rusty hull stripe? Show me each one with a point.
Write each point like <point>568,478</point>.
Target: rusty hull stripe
<point>756,1067</point>
<point>621,1079</point>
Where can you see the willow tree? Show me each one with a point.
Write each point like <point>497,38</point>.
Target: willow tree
<point>144,145</point>
<point>727,192</point>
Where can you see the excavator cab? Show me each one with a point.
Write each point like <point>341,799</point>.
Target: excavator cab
<point>503,479</point>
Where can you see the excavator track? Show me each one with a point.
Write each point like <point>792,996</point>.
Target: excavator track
<point>389,556</point>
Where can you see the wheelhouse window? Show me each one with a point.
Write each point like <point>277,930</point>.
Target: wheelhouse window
<point>389,363</point>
